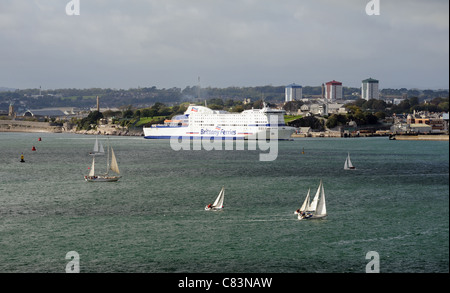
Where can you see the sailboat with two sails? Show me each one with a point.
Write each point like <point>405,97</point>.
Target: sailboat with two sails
<point>218,203</point>
<point>316,209</point>
<point>106,177</point>
<point>98,149</point>
<point>348,163</point>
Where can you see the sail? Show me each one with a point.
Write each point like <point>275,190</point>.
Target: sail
<point>346,164</point>
<point>100,148</point>
<point>350,165</point>
<point>96,145</point>
<point>92,171</point>
<point>315,201</point>
<point>321,207</point>
<point>219,200</point>
<point>305,204</point>
<point>114,166</point>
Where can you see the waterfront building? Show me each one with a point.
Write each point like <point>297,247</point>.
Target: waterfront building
<point>333,91</point>
<point>293,92</point>
<point>369,89</point>
<point>421,122</point>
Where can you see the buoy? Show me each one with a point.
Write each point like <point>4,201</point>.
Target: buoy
<point>39,139</point>
<point>33,148</point>
<point>21,158</point>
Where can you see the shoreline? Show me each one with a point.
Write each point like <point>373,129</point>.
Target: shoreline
<point>85,132</point>
<point>422,137</point>
<point>425,137</point>
<point>46,127</point>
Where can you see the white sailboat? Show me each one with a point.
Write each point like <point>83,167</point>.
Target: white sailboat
<point>218,203</point>
<point>317,208</point>
<point>109,167</point>
<point>348,163</point>
<point>98,149</point>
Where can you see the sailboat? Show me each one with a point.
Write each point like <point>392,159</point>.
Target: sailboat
<point>98,149</point>
<point>218,203</point>
<point>316,209</point>
<point>348,163</point>
<point>92,177</point>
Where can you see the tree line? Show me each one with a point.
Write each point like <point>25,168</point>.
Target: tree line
<point>147,96</point>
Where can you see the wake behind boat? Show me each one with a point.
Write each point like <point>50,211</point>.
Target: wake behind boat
<point>92,177</point>
<point>218,203</point>
<point>313,210</point>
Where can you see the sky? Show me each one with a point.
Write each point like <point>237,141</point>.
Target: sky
<point>124,44</point>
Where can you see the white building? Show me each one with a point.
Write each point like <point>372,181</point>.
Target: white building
<point>369,89</point>
<point>293,92</point>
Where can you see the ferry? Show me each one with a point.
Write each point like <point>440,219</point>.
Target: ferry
<point>203,122</point>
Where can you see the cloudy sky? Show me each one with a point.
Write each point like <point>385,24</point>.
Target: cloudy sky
<point>170,43</point>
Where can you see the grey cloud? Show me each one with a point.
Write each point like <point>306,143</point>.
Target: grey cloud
<point>124,44</point>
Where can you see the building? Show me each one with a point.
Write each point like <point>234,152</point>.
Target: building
<point>293,92</point>
<point>369,89</point>
<point>44,113</point>
<point>11,112</point>
<point>333,91</point>
<point>336,108</point>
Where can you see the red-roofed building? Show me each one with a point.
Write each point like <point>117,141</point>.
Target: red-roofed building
<point>333,91</point>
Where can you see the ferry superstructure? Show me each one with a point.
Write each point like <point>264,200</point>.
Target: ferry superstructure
<point>203,122</point>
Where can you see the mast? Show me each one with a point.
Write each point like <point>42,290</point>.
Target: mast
<point>107,160</point>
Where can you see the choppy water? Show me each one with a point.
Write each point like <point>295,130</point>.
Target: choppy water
<point>153,220</point>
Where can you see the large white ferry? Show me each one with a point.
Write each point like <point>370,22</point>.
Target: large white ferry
<point>202,122</point>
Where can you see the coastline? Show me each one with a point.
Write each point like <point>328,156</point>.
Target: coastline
<point>433,137</point>
<point>47,127</point>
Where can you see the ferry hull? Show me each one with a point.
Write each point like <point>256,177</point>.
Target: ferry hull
<point>279,133</point>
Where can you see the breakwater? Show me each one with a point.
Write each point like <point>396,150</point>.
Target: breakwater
<point>28,126</point>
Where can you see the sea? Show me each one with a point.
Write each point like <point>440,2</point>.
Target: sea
<point>393,209</point>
